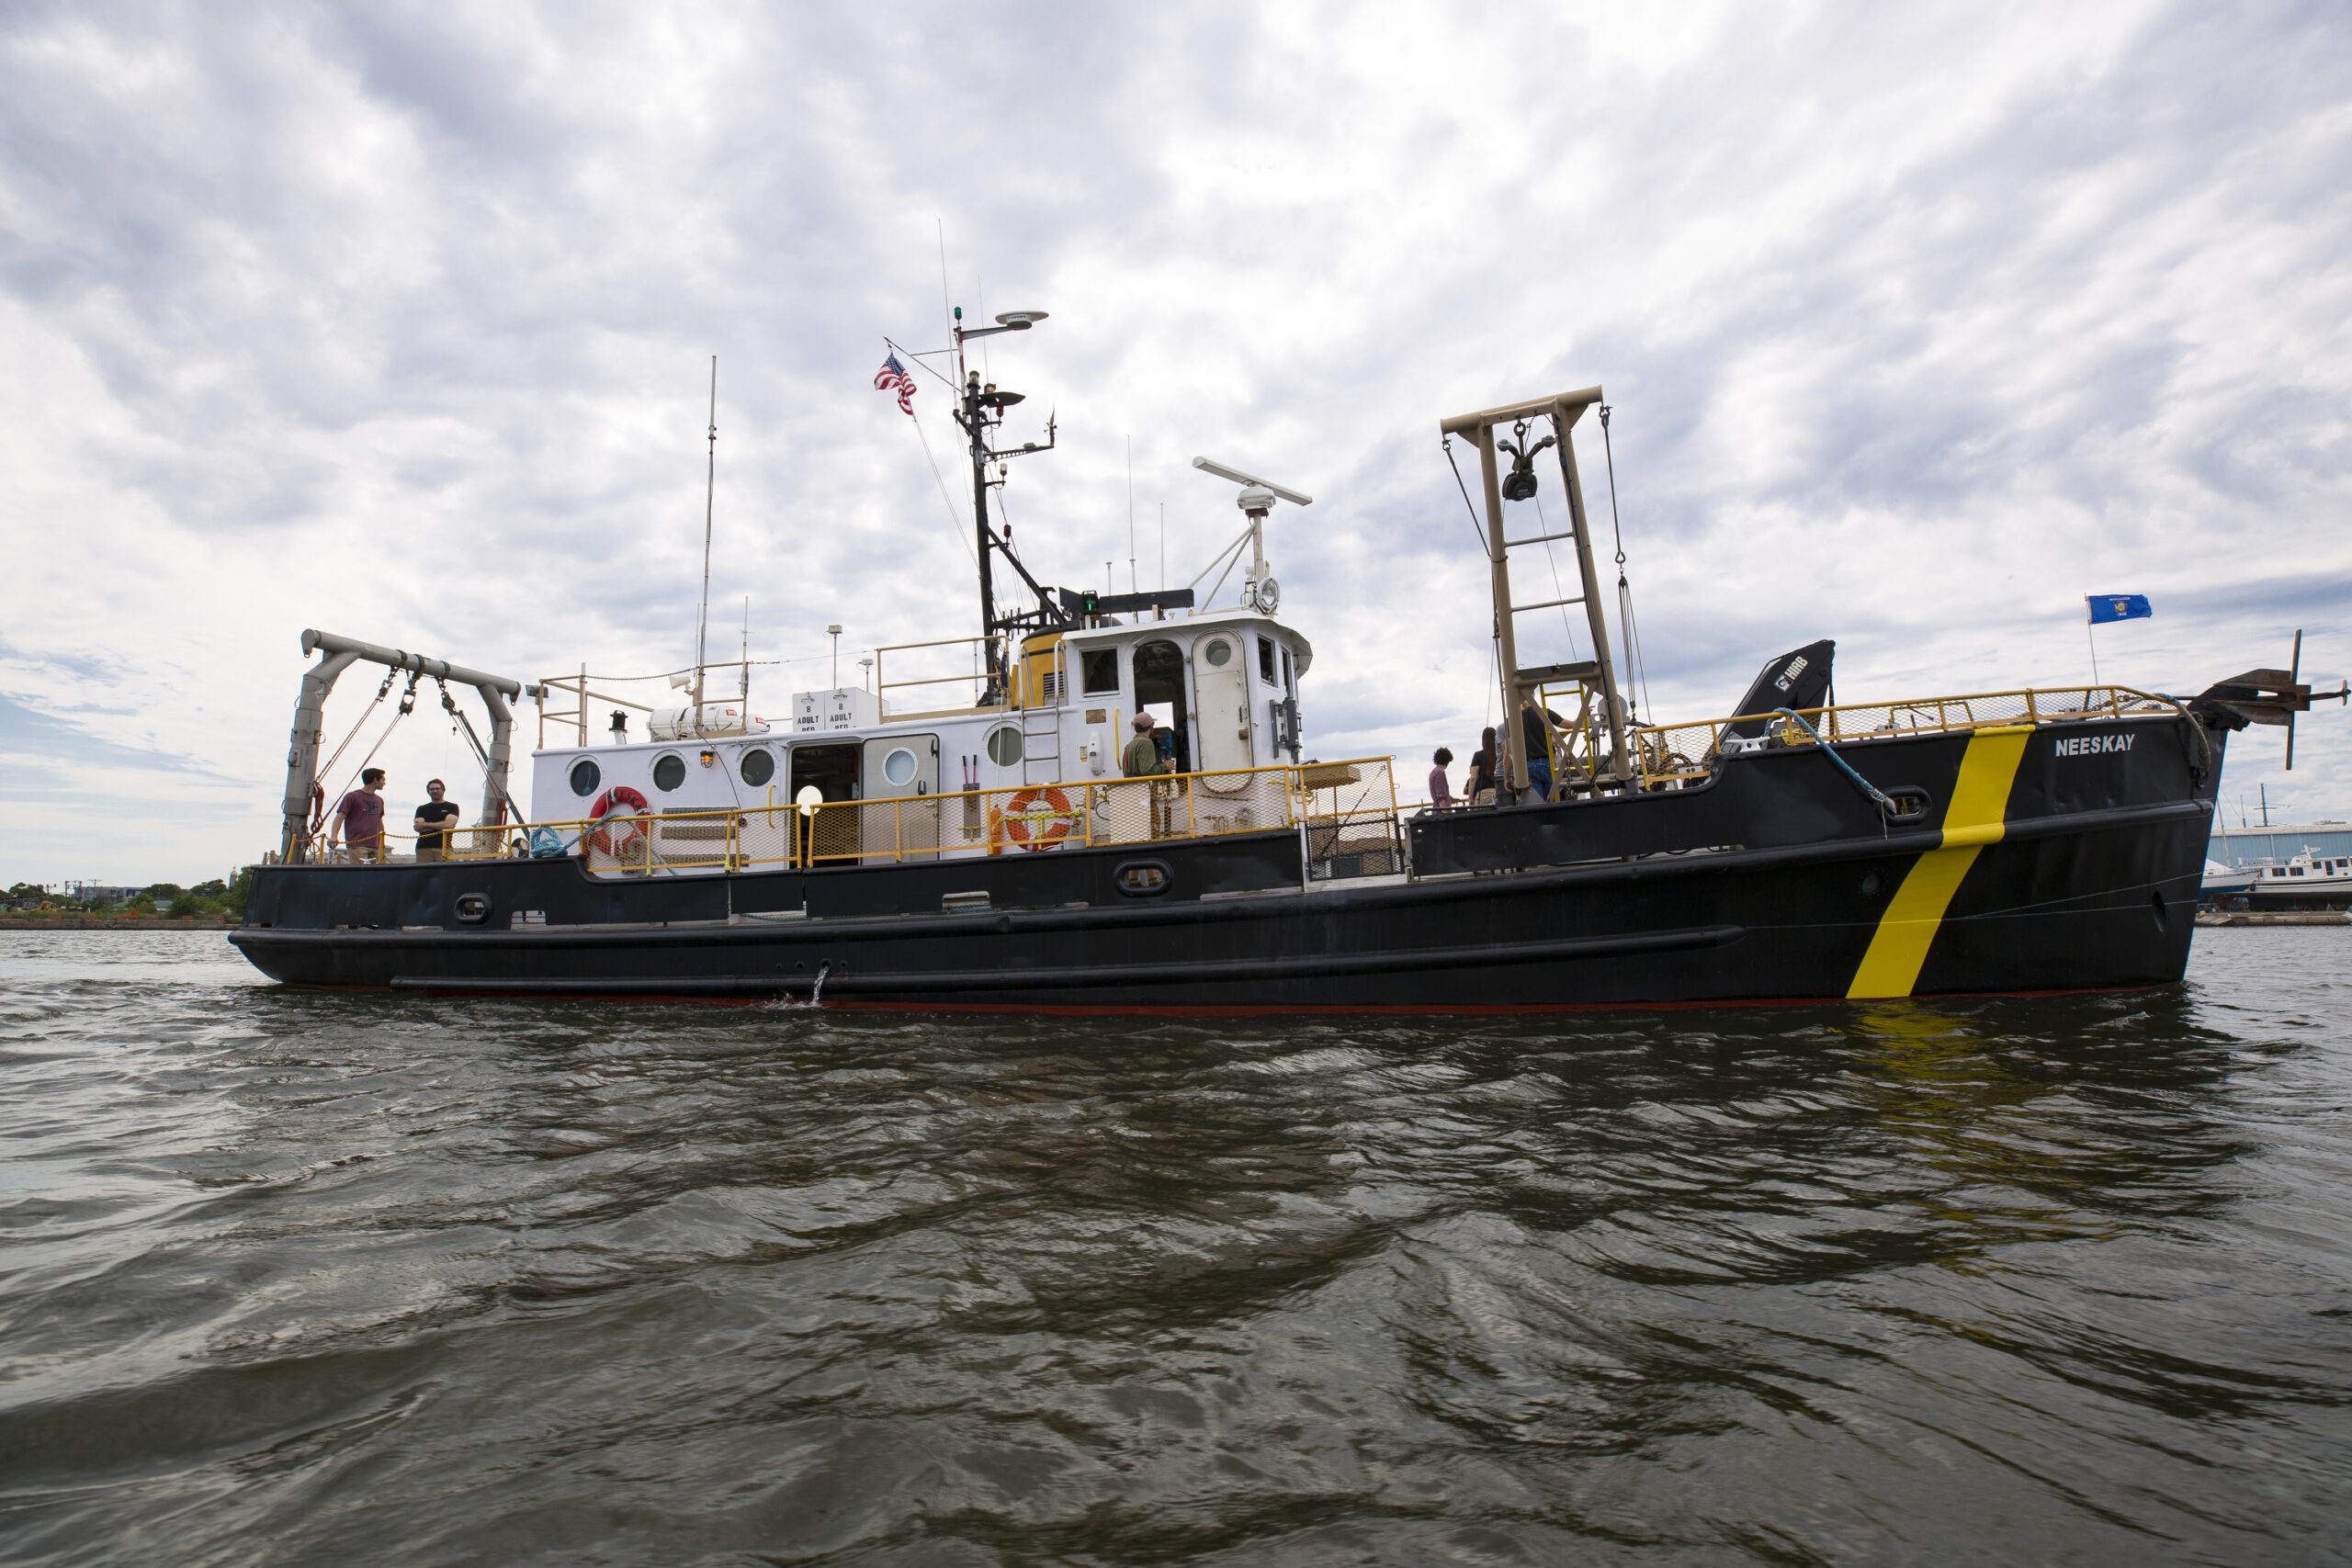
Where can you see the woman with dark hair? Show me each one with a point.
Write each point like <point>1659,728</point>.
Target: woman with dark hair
<point>1479,787</point>
<point>1441,794</point>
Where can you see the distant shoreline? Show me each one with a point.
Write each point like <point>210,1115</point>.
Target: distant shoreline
<point>73,923</point>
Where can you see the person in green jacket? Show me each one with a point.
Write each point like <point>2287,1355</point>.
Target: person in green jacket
<point>1142,756</point>
<point>1142,759</point>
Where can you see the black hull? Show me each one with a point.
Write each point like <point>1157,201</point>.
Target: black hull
<point>1773,881</point>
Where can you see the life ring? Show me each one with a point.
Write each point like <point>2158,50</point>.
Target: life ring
<point>620,836</point>
<point>1020,813</point>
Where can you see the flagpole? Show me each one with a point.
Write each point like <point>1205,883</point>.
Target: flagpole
<point>2090,630</point>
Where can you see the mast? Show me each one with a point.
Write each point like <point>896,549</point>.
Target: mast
<point>976,405</point>
<point>709,499</point>
<point>975,426</point>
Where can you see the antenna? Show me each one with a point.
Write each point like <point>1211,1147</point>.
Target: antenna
<point>709,499</point>
<point>1260,591</point>
<point>746,687</point>
<point>1131,514</point>
<point>1238,477</point>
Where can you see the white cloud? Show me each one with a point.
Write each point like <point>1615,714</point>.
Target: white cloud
<point>1918,324</point>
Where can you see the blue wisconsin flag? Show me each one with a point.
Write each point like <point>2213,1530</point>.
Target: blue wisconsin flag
<point>2106,607</point>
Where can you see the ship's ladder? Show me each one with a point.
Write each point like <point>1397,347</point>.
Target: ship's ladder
<point>1041,745</point>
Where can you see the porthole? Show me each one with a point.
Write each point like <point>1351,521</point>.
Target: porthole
<point>1141,878</point>
<point>899,767</point>
<point>1004,746</point>
<point>757,767</point>
<point>669,771</point>
<point>586,777</point>
<point>1219,652</point>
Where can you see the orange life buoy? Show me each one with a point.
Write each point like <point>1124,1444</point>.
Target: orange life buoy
<point>1019,813</point>
<point>620,836</point>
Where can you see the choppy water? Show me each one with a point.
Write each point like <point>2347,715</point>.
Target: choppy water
<point>298,1278</point>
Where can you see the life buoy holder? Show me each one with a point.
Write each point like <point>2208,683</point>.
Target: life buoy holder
<point>620,836</point>
<point>1034,829</point>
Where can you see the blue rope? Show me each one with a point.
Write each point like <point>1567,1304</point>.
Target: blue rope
<point>1886,805</point>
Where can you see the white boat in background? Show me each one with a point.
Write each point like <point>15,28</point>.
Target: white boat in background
<point>2307,882</point>
<point>2222,882</point>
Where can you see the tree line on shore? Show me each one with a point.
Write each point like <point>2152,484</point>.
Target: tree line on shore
<point>215,899</point>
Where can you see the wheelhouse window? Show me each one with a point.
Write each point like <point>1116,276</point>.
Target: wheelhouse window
<point>1288,685</point>
<point>1266,659</point>
<point>1099,670</point>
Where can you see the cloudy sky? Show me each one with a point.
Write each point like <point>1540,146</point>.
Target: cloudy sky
<point>1918,323</point>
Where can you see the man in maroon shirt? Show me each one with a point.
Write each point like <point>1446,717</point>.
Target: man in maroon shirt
<point>359,817</point>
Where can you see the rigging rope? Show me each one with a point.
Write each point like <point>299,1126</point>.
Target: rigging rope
<point>1885,804</point>
<point>1546,523</point>
<point>408,706</point>
<point>464,726</point>
<point>381,693</point>
<point>1475,526</point>
<point>1627,627</point>
<point>1493,632</point>
<point>955,518</point>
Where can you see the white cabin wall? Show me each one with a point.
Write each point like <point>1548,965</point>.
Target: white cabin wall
<point>961,735</point>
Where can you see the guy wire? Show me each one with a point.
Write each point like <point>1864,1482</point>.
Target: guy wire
<point>1628,631</point>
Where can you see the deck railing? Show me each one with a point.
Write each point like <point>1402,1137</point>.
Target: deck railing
<point>1666,755</point>
<point>1324,797</point>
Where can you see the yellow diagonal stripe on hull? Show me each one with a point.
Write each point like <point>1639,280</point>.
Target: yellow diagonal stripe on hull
<point>1980,801</point>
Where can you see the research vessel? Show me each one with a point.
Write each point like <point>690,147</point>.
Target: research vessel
<point>993,851</point>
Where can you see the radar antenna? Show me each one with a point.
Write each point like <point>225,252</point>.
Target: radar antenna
<point>1260,591</point>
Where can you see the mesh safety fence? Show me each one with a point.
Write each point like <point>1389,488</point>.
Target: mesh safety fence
<point>1347,810</point>
<point>1350,811</point>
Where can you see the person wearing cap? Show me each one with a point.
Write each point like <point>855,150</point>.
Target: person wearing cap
<point>1142,756</point>
<point>1142,759</point>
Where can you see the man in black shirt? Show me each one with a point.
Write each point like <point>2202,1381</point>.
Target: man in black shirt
<point>433,820</point>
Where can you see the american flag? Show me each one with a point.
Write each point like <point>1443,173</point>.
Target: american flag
<point>893,377</point>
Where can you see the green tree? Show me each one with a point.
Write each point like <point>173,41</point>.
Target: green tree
<point>239,891</point>
<point>187,906</point>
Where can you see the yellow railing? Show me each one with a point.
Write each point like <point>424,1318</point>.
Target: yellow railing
<point>1666,754</point>
<point>461,843</point>
<point>1030,819</point>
